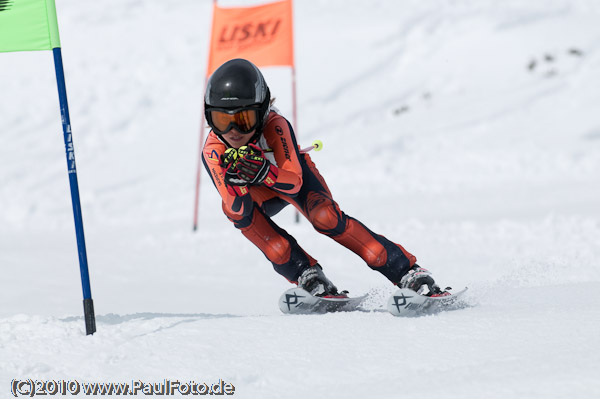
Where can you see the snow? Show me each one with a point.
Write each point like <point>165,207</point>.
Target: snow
<point>437,134</point>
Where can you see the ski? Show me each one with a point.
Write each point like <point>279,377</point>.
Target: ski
<point>298,301</point>
<point>407,303</point>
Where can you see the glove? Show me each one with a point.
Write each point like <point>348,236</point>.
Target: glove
<point>235,185</point>
<point>254,168</point>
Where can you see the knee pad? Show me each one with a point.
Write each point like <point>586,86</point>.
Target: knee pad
<point>328,219</point>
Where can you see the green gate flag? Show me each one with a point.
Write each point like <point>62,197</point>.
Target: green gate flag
<point>28,25</point>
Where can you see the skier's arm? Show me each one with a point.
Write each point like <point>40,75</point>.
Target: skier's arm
<point>281,139</point>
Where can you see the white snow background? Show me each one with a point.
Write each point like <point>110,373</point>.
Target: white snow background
<point>468,131</point>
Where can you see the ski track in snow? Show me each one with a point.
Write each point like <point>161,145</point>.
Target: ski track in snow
<point>466,131</point>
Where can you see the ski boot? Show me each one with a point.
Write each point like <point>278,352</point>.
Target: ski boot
<point>313,281</point>
<point>420,281</point>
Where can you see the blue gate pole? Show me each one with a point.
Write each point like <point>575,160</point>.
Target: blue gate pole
<point>88,303</point>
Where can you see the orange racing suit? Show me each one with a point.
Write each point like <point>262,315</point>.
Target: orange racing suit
<point>298,183</point>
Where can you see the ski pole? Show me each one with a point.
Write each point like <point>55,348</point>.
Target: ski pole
<point>316,145</point>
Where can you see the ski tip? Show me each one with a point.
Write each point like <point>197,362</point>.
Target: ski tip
<point>296,300</point>
<point>407,303</point>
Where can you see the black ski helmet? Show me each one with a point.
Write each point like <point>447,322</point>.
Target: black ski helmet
<point>238,83</point>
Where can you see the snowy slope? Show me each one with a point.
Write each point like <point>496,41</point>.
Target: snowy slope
<point>467,131</point>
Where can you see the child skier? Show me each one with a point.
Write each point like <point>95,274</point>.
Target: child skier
<point>254,161</point>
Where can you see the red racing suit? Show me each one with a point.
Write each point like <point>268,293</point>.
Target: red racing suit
<point>298,183</point>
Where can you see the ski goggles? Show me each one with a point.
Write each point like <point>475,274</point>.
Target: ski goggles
<point>222,120</point>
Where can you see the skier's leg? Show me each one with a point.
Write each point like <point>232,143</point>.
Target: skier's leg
<point>316,203</point>
<point>280,248</point>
